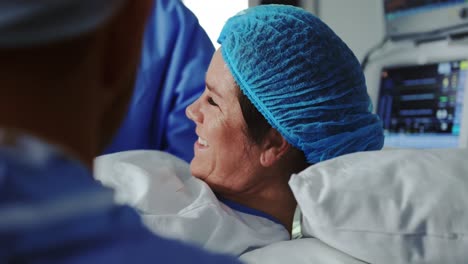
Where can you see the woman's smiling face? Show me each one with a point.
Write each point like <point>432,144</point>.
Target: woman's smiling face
<point>224,158</point>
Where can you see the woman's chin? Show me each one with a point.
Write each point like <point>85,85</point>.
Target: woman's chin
<point>195,171</point>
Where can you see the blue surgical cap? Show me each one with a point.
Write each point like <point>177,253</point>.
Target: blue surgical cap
<point>303,79</point>
<point>33,22</point>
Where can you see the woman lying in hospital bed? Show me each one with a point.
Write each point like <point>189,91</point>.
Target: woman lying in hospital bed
<point>282,93</point>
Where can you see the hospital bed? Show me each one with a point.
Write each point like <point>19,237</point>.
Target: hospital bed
<point>389,206</point>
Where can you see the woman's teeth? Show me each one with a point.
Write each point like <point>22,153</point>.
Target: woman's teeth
<point>202,142</point>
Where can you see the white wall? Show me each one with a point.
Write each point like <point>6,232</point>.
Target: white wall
<point>309,5</point>
<point>358,22</point>
<point>212,14</point>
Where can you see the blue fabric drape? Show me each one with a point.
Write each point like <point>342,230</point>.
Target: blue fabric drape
<point>175,57</point>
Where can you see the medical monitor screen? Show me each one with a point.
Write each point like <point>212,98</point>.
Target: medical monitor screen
<point>409,18</point>
<point>422,106</point>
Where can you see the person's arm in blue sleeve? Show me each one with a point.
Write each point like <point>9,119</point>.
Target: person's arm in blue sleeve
<point>175,57</point>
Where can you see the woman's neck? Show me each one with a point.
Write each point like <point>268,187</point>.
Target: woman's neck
<point>276,200</point>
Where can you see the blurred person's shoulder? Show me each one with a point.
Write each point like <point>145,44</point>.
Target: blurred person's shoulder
<point>53,210</point>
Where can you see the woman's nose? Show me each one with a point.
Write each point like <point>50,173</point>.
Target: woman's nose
<point>193,112</point>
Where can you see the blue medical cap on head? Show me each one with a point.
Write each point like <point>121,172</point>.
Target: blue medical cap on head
<point>304,80</point>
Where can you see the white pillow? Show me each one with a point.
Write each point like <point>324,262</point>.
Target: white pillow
<point>390,206</point>
<point>298,251</point>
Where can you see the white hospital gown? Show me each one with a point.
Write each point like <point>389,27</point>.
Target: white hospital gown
<point>177,205</point>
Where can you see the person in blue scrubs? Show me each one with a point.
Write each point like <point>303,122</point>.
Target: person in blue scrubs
<point>65,87</point>
<point>176,54</point>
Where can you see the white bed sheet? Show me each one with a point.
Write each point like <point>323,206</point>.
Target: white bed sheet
<point>298,251</point>
<point>174,204</point>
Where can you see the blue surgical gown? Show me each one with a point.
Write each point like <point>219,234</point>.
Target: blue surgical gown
<point>176,54</point>
<point>53,211</point>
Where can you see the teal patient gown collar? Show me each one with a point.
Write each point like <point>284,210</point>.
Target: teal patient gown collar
<point>247,210</point>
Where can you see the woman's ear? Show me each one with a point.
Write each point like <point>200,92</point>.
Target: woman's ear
<point>274,147</point>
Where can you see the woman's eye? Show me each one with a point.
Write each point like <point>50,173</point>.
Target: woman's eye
<point>211,102</point>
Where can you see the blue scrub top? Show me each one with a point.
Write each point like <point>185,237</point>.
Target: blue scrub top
<point>176,54</point>
<point>53,211</point>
